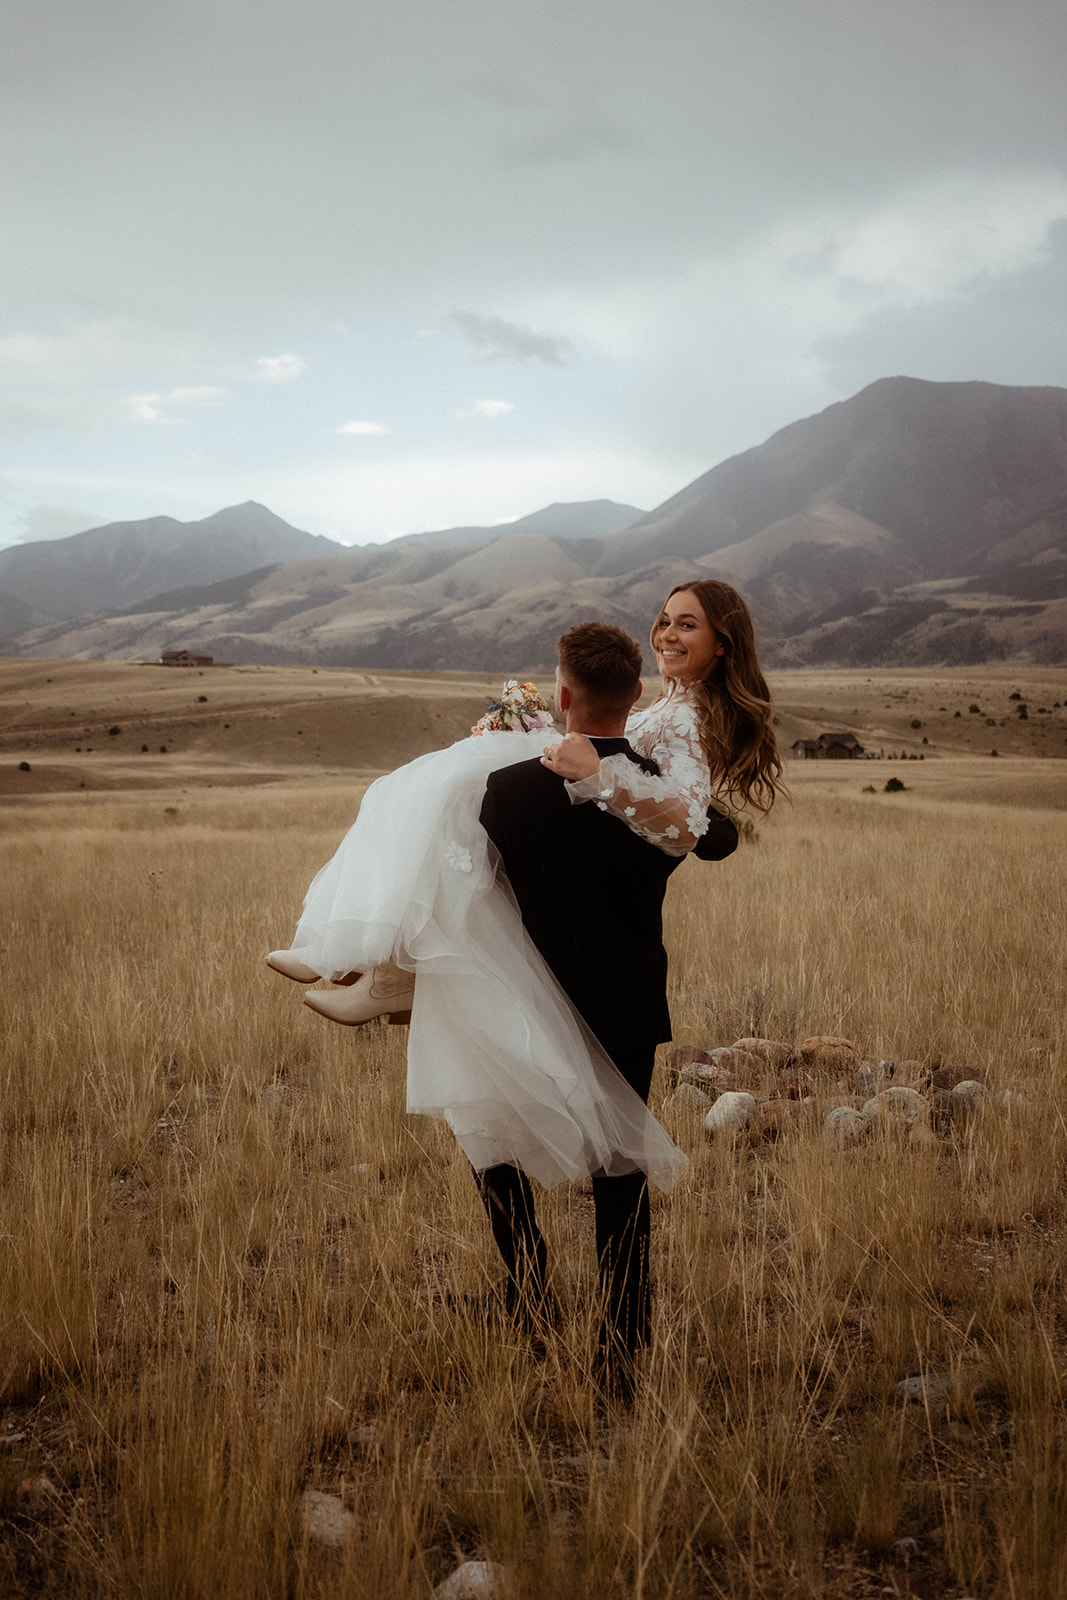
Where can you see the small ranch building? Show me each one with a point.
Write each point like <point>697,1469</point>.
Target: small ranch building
<point>828,747</point>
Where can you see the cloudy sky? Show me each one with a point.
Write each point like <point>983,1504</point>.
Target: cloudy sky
<point>405,264</point>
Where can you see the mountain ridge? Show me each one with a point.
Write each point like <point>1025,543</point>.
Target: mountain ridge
<point>915,522</point>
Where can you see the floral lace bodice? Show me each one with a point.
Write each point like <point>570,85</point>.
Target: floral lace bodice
<point>670,811</point>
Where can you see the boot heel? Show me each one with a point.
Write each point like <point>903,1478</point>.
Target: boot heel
<point>398,1019</point>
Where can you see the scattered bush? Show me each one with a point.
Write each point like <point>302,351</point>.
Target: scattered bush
<point>894,786</point>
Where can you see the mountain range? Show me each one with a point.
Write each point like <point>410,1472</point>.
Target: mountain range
<point>914,523</point>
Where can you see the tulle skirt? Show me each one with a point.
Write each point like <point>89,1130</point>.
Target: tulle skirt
<point>495,1047</point>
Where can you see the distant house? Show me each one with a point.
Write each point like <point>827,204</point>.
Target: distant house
<point>829,747</point>
<point>184,658</point>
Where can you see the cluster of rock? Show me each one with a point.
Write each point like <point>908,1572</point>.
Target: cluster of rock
<point>325,1520</point>
<point>758,1089</point>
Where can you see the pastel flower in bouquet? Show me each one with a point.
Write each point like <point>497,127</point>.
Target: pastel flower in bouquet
<point>520,709</point>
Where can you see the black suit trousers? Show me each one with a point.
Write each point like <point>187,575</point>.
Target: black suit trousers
<point>622,1238</point>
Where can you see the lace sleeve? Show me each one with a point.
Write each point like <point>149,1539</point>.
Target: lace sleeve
<point>670,811</point>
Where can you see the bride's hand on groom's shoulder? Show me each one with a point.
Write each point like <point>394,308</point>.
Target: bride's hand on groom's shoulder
<point>574,756</point>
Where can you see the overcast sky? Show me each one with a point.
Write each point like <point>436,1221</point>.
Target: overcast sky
<point>407,264</point>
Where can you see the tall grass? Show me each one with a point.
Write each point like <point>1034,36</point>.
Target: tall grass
<point>231,1264</point>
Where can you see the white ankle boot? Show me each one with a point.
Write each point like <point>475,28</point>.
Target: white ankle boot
<point>385,991</point>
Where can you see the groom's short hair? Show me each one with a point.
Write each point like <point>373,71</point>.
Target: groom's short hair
<point>601,663</point>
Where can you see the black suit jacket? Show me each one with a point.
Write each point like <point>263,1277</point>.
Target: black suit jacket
<point>590,892</point>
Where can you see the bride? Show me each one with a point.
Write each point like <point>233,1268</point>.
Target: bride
<point>496,1048</point>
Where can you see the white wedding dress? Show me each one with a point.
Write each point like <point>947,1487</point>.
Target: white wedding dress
<point>495,1046</point>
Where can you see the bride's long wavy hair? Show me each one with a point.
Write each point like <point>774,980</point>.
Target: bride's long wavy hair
<point>736,715</point>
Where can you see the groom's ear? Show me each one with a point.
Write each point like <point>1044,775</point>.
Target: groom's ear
<point>563,698</point>
<point>640,691</point>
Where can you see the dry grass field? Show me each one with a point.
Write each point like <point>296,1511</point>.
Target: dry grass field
<point>229,1259</point>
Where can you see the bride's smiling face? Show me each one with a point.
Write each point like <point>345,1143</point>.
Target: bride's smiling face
<point>685,642</point>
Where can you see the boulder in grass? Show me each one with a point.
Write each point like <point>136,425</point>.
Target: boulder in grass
<point>949,1077</point>
<point>828,1053</point>
<point>777,1117</point>
<point>743,1062</point>
<point>1011,1100</point>
<point>967,1099</point>
<point>474,1580</point>
<point>899,1106</point>
<point>687,1099</point>
<point>731,1114</point>
<point>845,1126</point>
<point>324,1518</point>
<point>795,1083</point>
<point>772,1052</point>
<point>709,1076</point>
<point>871,1077</point>
<point>684,1056</point>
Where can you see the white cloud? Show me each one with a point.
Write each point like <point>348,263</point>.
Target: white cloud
<point>150,407</point>
<point>279,369</point>
<point>950,232</point>
<point>487,408</point>
<point>363,430</point>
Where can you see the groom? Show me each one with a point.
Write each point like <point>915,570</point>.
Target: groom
<point>590,892</point>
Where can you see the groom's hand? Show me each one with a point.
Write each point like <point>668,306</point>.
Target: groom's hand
<point>573,757</point>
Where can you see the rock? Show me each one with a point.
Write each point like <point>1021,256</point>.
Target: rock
<point>771,1051</point>
<point>363,1437</point>
<point>1010,1100</point>
<point>41,1492</point>
<point>775,1117</point>
<point>741,1062</point>
<point>710,1076</point>
<point>870,1077</point>
<point>966,1100</point>
<point>845,1126</point>
<point>930,1387</point>
<point>731,1113</point>
<point>688,1098</point>
<point>922,1137</point>
<point>909,1071</point>
<point>905,1549</point>
<point>829,1053</point>
<point>795,1083</point>
<point>474,1580</point>
<point>969,1089</point>
<point>898,1105</point>
<point>323,1517</point>
<point>684,1056</point>
<point>949,1077</point>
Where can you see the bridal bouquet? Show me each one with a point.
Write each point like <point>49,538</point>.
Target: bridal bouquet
<point>520,709</point>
